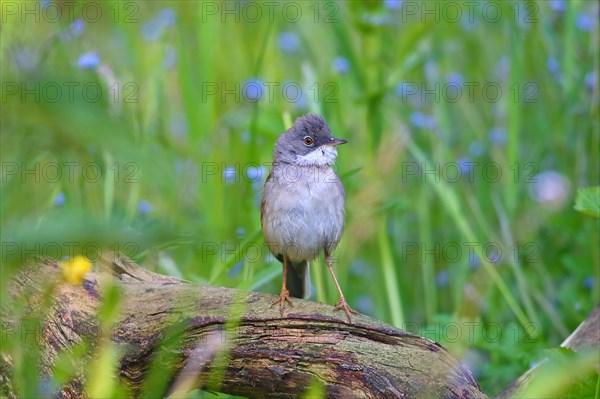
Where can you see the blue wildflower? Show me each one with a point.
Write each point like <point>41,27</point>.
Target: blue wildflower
<point>468,23</point>
<point>235,270</point>
<point>59,200</point>
<point>455,78</point>
<point>585,22</point>
<point>27,59</point>
<point>341,65</point>
<point>474,260</point>
<point>432,71</point>
<point>255,173</point>
<point>497,135</point>
<point>75,29</point>
<point>553,65</point>
<point>493,255</point>
<point>253,89</point>
<point>476,149</point>
<point>502,67</point>
<point>152,30</point>
<point>240,232</point>
<point>401,89</point>
<point>421,120</point>
<point>589,282</point>
<point>464,165</point>
<point>245,136</point>
<point>558,5</point>
<point>442,278</point>
<point>144,207</point>
<point>229,174</point>
<point>289,42</point>
<point>89,60</point>
<point>417,119</point>
<point>167,17</point>
<point>392,5</point>
<point>591,80</point>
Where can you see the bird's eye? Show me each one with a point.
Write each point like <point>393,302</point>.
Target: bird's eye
<point>308,140</point>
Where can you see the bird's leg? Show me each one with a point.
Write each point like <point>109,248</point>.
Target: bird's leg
<point>285,294</point>
<point>342,302</point>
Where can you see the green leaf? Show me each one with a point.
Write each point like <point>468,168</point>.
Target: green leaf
<point>100,381</point>
<point>564,374</point>
<point>588,200</point>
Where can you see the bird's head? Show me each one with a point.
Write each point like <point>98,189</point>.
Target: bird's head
<point>307,143</point>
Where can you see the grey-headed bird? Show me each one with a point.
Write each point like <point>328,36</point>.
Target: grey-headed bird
<point>302,208</point>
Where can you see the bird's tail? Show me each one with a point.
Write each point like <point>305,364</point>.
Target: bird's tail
<point>298,279</point>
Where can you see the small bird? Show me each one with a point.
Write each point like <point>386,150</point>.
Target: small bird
<point>302,207</point>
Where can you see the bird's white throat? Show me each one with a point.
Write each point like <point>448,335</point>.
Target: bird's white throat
<point>323,155</point>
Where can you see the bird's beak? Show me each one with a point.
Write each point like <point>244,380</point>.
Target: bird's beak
<point>335,142</point>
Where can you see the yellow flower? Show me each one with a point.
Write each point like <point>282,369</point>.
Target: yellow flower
<point>74,270</point>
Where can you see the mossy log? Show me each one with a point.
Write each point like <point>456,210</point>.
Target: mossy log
<point>227,340</point>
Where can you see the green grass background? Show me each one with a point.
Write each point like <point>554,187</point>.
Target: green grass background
<point>174,182</point>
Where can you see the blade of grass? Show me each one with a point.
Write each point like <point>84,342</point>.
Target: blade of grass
<point>132,201</point>
<point>252,154</point>
<point>266,275</point>
<point>109,192</point>
<point>219,268</point>
<point>515,265</point>
<point>390,276</point>
<point>318,279</point>
<point>514,116</point>
<point>452,205</point>
<point>207,31</point>
<point>232,331</point>
<point>427,269</point>
<point>101,382</point>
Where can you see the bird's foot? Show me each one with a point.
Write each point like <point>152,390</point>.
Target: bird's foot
<point>347,309</point>
<point>283,298</point>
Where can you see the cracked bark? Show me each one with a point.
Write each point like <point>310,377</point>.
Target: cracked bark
<point>228,341</point>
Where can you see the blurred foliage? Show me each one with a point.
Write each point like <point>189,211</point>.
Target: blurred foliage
<point>148,128</point>
<point>588,200</point>
<point>565,374</point>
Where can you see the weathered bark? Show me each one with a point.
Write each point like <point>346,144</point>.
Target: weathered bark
<point>197,333</point>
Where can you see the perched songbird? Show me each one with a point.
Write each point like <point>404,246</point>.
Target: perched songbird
<point>302,208</point>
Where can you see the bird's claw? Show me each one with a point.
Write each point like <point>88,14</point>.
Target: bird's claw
<point>283,298</point>
<point>347,309</point>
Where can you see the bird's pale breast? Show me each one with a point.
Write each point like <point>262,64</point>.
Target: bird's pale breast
<point>302,211</point>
